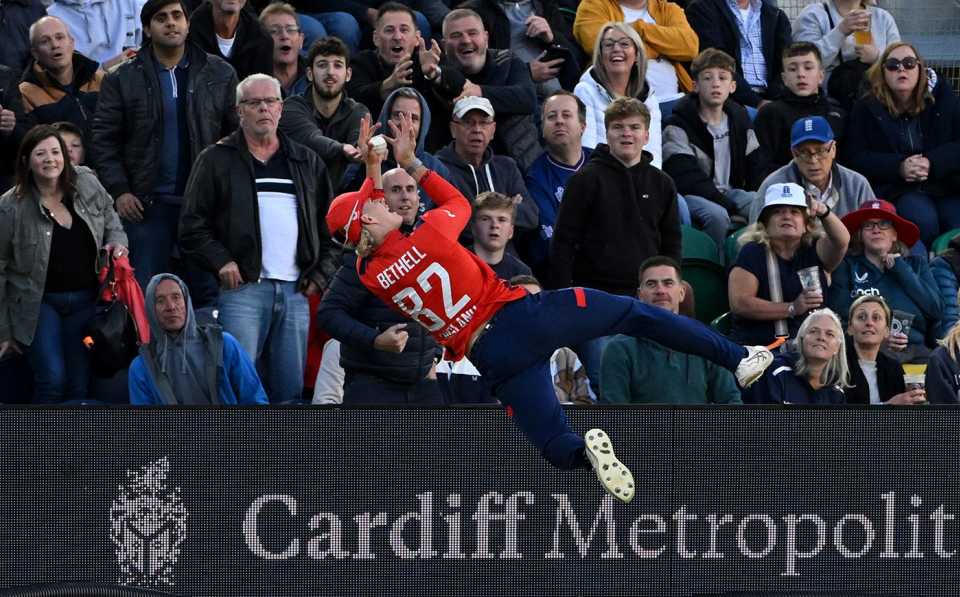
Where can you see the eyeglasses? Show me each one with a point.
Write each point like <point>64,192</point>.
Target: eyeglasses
<point>877,224</point>
<point>255,102</point>
<point>609,44</point>
<point>289,29</point>
<point>908,63</point>
<point>814,156</point>
<point>474,123</point>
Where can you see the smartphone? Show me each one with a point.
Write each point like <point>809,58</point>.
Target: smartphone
<point>555,51</point>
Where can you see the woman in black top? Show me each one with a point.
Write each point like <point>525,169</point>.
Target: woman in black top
<point>875,377</point>
<point>53,223</point>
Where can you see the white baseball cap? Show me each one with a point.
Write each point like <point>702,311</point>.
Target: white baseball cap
<point>472,102</point>
<point>784,193</point>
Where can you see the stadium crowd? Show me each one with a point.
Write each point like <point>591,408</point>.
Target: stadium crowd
<point>606,144</point>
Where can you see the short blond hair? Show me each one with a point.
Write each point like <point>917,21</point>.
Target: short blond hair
<point>625,107</point>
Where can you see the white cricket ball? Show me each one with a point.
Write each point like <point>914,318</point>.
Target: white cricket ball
<point>379,144</point>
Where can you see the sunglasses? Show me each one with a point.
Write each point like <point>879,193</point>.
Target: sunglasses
<point>908,63</point>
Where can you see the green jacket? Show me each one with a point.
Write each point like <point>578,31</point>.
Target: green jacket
<point>25,235</point>
<point>640,371</point>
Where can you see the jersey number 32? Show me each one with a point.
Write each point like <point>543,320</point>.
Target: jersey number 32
<point>410,301</point>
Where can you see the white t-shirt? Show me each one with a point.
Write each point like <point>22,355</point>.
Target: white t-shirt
<point>870,372</point>
<point>721,152</point>
<point>226,45</point>
<point>661,74</point>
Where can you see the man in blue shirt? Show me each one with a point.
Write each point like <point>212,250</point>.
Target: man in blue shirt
<point>564,119</point>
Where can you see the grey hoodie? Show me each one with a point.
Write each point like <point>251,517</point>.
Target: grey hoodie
<point>180,364</point>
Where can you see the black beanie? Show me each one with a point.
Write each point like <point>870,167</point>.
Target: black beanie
<point>152,7</point>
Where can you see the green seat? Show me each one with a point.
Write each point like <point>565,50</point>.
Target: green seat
<point>723,324</point>
<point>698,245</point>
<point>731,248</point>
<point>709,283</point>
<point>942,242</point>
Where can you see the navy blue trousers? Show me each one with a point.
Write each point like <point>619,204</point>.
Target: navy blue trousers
<point>513,355</point>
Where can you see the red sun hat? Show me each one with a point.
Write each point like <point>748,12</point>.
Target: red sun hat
<point>878,209</point>
<point>343,217</point>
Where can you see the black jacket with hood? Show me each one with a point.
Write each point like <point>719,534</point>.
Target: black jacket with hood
<point>302,123</point>
<point>611,219</point>
<point>355,316</point>
<point>128,127</point>
<point>252,46</point>
<point>775,120</point>
<point>220,219</point>
<point>690,139</point>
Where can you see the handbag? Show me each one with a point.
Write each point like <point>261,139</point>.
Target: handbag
<point>111,336</point>
<point>848,80</point>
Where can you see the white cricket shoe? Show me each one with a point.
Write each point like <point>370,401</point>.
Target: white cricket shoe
<point>753,365</point>
<point>616,478</point>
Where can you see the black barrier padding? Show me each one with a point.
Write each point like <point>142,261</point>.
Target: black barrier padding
<point>455,502</point>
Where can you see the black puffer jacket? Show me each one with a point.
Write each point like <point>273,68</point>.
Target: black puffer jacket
<point>220,218</point>
<point>16,16</point>
<point>10,100</point>
<point>355,317</point>
<point>128,127</point>
<point>252,46</point>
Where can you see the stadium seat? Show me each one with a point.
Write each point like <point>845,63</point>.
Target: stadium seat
<point>730,247</point>
<point>941,243</point>
<point>698,245</point>
<point>703,270</point>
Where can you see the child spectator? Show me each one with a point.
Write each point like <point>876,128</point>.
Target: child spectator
<point>492,227</point>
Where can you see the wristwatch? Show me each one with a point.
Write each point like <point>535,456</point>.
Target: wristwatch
<point>412,166</point>
<point>436,74</point>
<point>791,311</point>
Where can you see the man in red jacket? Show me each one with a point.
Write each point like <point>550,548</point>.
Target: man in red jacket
<point>508,333</point>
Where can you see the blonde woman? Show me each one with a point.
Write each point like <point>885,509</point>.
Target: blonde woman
<point>619,70</point>
<point>943,371</point>
<point>816,373</point>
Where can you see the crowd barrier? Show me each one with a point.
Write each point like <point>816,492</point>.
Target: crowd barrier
<point>291,502</point>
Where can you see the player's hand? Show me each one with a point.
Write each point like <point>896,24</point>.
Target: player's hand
<point>404,140</point>
<point>402,76</point>
<point>230,277</point>
<point>392,339</point>
<point>129,207</point>
<point>364,151</point>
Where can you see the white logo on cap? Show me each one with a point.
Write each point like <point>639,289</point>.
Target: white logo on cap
<point>808,125</point>
<point>148,524</point>
<point>875,205</point>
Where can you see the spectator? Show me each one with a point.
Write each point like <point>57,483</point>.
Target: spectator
<point>253,214</point>
<point>59,83</point>
<point>398,60</point>
<point>475,168</point>
<point>354,25</point>
<point>641,371</point>
<point>850,35</point>
<point>563,124</point>
<point>946,271</point>
<point>816,373</point>
<point>148,134</point>
<point>668,40</point>
<point>279,19</point>
<point>616,212</point>
<point>879,264</point>
<point>755,33</point>
<point>801,97</point>
<point>814,168</point>
<point>73,138</point>
<point>386,358</point>
<point>619,70</point>
<point>322,117</point>
<point>942,381</point>
<point>53,223</point>
<point>904,136</point>
<point>710,149</point>
<point>187,363</point>
<point>104,30</point>
<point>498,76</point>
<point>492,228</point>
<point>875,378</point>
<point>328,387</point>
<point>224,29</point>
<point>404,101</point>
<point>16,16</point>
<point>786,235</point>
<point>13,124</point>
<point>529,29</point>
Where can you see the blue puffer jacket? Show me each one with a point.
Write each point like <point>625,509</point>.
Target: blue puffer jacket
<point>946,279</point>
<point>908,286</point>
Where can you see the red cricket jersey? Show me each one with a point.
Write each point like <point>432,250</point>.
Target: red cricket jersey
<point>433,279</point>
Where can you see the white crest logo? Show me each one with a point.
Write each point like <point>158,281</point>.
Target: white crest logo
<point>148,524</point>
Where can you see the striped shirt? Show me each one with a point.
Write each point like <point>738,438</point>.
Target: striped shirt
<point>279,227</point>
<point>752,62</point>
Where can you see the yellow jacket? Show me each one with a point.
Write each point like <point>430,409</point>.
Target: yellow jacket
<point>672,37</point>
